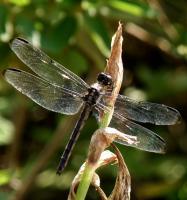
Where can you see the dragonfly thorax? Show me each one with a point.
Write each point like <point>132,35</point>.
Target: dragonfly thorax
<point>104,79</point>
<point>92,96</point>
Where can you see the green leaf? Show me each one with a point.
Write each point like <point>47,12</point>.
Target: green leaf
<point>3,18</point>
<point>24,25</point>
<point>4,178</point>
<point>98,33</point>
<point>5,195</point>
<point>127,7</point>
<point>76,62</point>
<point>54,39</point>
<point>6,131</point>
<point>20,2</point>
<point>69,3</point>
<point>163,83</point>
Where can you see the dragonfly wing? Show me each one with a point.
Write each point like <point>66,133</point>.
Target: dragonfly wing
<point>146,139</point>
<point>47,68</point>
<point>146,112</point>
<point>51,97</point>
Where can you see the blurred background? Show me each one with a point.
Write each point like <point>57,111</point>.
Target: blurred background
<point>77,33</point>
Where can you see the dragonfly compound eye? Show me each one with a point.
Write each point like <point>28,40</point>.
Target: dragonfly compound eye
<point>104,79</point>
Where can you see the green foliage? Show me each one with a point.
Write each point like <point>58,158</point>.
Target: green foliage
<point>168,80</point>
<point>20,2</point>
<point>78,34</point>
<point>3,18</point>
<point>129,7</point>
<point>6,131</point>
<point>59,35</point>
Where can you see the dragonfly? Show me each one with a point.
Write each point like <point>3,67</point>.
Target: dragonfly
<point>57,89</point>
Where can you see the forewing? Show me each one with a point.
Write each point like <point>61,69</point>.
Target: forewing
<point>49,96</point>
<point>158,114</point>
<point>47,68</point>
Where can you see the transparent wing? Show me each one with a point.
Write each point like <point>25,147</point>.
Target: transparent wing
<point>47,68</point>
<point>158,114</point>
<point>146,139</point>
<point>51,97</point>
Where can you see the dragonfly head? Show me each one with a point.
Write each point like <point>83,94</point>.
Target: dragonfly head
<point>104,79</point>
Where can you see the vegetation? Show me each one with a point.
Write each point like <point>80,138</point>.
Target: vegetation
<point>78,34</point>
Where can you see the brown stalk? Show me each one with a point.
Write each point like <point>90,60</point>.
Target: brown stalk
<point>101,139</point>
<point>114,65</point>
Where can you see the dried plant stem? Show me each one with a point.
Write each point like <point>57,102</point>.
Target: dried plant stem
<point>115,69</point>
<point>90,167</point>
